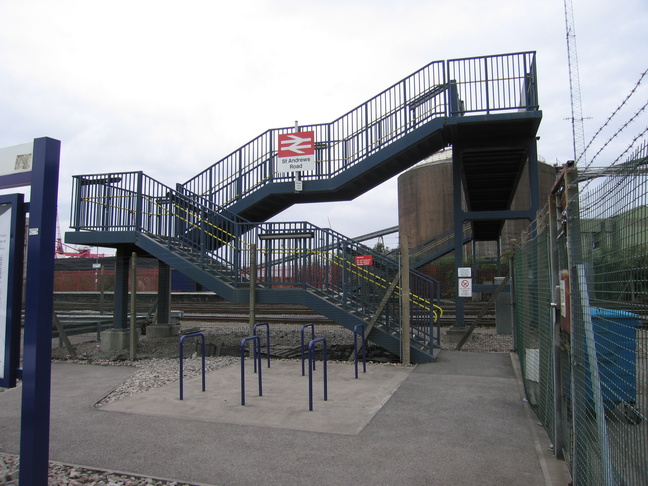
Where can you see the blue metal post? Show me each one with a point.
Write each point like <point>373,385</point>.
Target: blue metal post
<point>311,367</point>
<point>39,299</point>
<point>164,293</point>
<point>256,355</point>
<point>120,304</point>
<point>138,202</point>
<point>267,340</point>
<point>202,336</point>
<point>459,219</point>
<point>453,94</point>
<point>312,326</point>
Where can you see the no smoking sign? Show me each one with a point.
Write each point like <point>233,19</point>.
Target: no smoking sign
<point>465,287</point>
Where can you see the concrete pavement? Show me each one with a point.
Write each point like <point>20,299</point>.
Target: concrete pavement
<point>460,421</point>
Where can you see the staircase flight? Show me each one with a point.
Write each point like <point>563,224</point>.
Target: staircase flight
<point>208,226</point>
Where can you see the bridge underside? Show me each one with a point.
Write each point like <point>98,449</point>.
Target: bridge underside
<point>491,156</point>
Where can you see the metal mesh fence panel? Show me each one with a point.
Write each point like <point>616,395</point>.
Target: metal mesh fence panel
<point>608,328</point>
<point>533,339</point>
<point>581,296</point>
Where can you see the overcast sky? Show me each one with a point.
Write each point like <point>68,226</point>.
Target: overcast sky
<point>171,87</point>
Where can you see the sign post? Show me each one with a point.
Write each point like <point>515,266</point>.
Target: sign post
<point>37,165</point>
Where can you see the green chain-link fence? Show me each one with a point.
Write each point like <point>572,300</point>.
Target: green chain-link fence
<point>581,296</point>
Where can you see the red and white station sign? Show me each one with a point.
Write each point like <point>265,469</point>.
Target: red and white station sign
<point>296,152</point>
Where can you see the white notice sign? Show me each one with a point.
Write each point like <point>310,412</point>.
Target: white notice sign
<point>464,272</point>
<point>16,159</point>
<point>465,287</point>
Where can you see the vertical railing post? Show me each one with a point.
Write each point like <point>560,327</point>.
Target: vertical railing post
<point>138,203</point>
<point>366,128</point>
<point>305,272</point>
<point>328,148</point>
<point>486,85</point>
<point>203,235</point>
<point>453,93</point>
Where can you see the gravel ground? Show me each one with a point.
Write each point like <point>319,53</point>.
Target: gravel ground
<point>157,365</point>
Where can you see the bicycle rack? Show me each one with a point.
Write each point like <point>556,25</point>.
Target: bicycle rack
<point>202,336</point>
<point>256,355</point>
<point>355,349</point>
<point>312,326</point>
<point>311,367</point>
<point>267,341</point>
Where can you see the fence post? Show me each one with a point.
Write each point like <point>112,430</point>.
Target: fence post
<point>579,300</point>
<point>557,371</point>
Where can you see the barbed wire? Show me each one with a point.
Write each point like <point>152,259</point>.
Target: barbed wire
<point>617,133</point>
<point>623,103</point>
<point>632,144</point>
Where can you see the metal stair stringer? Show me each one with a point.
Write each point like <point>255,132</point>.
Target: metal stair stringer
<point>208,280</point>
<point>317,302</point>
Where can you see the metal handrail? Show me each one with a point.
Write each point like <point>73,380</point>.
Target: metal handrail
<point>477,85</point>
<point>219,243</point>
<point>254,332</point>
<point>303,357</point>
<point>182,339</point>
<point>311,368</point>
<point>256,355</point>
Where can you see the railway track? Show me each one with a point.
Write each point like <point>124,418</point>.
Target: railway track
<point>203,308</point>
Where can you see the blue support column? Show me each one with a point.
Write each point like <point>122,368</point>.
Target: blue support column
<point>534,181</point>
<point>164,293</point>
<point>459,219</point>
<point>39,299</point>
<point>120,311</point>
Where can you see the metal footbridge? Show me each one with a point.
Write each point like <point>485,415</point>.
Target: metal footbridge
<point>214,228</point>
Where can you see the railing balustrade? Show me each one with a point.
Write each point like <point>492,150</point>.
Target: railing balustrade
<point>479,85</point>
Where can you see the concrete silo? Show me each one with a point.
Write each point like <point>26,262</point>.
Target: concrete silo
<point>425,197</point>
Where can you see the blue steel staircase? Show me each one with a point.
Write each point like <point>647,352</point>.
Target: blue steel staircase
<point>296,262</point>
<point>206,227</point>
<point>380,138</point>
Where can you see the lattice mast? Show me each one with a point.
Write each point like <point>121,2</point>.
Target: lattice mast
<point>578,133</point>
